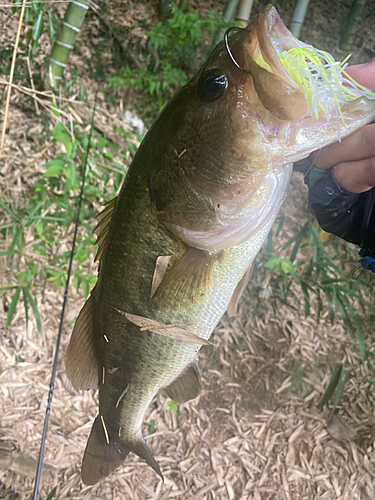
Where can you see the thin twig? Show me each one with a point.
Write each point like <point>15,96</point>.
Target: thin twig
<point>11,77</point>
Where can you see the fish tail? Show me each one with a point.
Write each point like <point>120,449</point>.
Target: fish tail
<point>103,455</point>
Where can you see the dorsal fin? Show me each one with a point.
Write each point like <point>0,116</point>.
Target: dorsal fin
<point>102,228</point>
<point>81,363</point>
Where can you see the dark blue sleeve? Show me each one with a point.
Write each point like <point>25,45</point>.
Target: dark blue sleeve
<point>347,215</point>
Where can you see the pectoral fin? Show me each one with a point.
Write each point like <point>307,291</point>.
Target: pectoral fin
<point>187,386</point>
<point>81,363</point>
<point>189,279</point>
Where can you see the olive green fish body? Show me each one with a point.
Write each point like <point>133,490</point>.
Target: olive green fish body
<point>177,246</point>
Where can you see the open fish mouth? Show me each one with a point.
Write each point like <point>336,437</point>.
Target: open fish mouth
<point>320,85</point>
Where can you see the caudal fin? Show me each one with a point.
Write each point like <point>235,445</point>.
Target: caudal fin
<point>103,455</point>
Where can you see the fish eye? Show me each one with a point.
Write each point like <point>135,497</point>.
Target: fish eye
<point>212,84</point>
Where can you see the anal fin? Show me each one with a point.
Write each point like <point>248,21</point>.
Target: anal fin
<point>81,363</point>
<point>187,386</point>
<point>240,288</point>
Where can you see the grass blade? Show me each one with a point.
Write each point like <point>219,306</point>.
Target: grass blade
<point>13,305</point>
<point>34,307</point>
<point>340,387</point>
<point>331,386</point>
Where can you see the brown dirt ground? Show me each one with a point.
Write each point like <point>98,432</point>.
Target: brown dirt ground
<point>255,432</point>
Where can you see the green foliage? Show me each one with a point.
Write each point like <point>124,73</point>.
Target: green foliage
<point>151,426</point>
<point>338,380</point>
<point>325,274</point>
<point>175,50</point>
<point>49,213</point>
<point>172,406</point>
<point>37,15</point>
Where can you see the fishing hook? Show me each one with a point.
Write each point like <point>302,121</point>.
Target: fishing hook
<point>226,37</point>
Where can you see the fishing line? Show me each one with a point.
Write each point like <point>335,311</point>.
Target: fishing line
<point>54,368</point>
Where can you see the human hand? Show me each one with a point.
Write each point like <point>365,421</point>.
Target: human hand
<point>353,157</point>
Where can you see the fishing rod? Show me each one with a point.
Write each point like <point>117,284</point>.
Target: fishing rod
<point>54,367</point>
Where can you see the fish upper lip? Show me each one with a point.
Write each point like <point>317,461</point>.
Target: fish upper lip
<point>272,31</point>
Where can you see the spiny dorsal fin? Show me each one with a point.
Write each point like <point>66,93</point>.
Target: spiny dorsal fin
<point>81,363</point>
<point>188,279</point>
<point>102,228</point>
<point>240,288</point>
<point>187,386</point>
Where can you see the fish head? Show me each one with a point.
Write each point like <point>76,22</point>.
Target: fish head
<point>261,101</point>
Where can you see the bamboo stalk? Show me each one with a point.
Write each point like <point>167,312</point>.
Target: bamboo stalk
<point>354,17</point>
<point>298,17</point>
<point>243,12</point>
<point>230,10</point>
<point>69,29</point>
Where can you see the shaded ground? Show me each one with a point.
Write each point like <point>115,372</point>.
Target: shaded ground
<point>254,433</point>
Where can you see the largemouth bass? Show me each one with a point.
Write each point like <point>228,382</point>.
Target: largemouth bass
<point>177,245</point>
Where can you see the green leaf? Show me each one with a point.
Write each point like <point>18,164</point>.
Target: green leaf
<point>273,264</point>
<point>287,266</point>
<point>51,26</point>
<point>26,305</point>
<point>34,307</point>
<point>51,494</point>
<point>361,339</point>
<point>10,211</point>
<point>38,26</point>
<point>172,406</point>
<point>340,388</point>
<point>69,147</point>
<point>331,386</point>
<point>60,134</point>
<point>16,237</point>
<point>54,169</point>
<point>55,110</point>
<point>13,305</point>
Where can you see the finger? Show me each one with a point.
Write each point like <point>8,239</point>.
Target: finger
<point>363,74</point>
<point>357,146</point>
<point>356,177</point>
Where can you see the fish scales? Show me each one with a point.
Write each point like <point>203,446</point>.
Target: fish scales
<point>202,193</point>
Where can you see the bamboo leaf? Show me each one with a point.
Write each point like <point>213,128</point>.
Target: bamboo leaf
<point>10,211</point>
<point>13,305</point>
<point>51,26</point>
<point>34,307</point>
<point>340,388</point>
<point>361,339</point>
<point>38,26</point>
<point>15,241</point>
<point>26,305</point>
<point>331,386</point>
